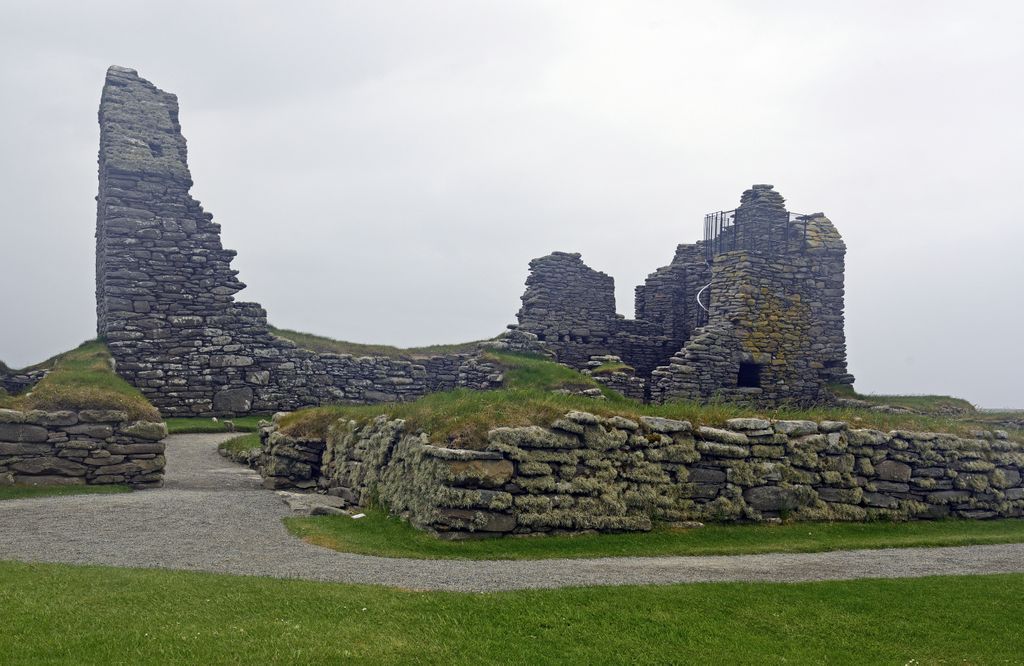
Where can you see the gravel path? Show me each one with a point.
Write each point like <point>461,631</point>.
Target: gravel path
<point>212,515</point>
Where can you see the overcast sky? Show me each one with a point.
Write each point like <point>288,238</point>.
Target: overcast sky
<point>386,170</point>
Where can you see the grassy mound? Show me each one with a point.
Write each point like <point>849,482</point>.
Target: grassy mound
<point>462,418</point>
<point>84,379</point>
<point>324,345</point>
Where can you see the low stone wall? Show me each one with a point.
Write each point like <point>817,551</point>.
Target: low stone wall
<point>18,381</point>
<point>590,473</point>
<point>85,447</point>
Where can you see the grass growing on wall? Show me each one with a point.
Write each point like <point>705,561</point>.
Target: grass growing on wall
<point>241,444</point>
<point>84,378</point>
<point>26,491</point>
<point>93,615</point>
<point>463,417</point>
<point>386,536</point>
<point>324,345</point>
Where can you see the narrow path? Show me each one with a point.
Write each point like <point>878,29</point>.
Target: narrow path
<point>212,515</point>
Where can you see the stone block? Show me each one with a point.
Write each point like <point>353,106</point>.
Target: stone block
<point>233,401</point>
<point>11,416</point>
<point>796,428</point>
<point>102,416</point>
<point>51,419</point>
<point>94,430</point>
<point>771,498</point>
<point>482,473</point>
<point>145,430</point>
<point>479,521</point>
<point>19,432</point>
<point>722,436</point>
<point>891,470</point>
<point>880,501</point>
<point>49,465</point>
<point>665,426</point>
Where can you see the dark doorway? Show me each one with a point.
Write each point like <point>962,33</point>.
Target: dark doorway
<point>749,376</point>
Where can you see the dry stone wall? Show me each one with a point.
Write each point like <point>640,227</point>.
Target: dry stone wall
<point>78,448</point>
<point>571,309</point>
<point>19,381</point>
<point>165,289</point>
<point>586,472</point>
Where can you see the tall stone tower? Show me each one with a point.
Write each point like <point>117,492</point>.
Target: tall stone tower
<point>165,289</point>
<point>164,283</point>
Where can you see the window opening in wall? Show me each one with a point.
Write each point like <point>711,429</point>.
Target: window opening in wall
<point>749,376</point>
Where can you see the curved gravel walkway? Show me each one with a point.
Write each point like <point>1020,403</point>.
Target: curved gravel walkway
<point>212,515</point>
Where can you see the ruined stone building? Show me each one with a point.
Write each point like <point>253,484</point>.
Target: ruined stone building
<point>165,289</point>
<point>753,312</point>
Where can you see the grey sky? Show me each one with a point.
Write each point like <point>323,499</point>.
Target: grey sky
<point>387,169</point>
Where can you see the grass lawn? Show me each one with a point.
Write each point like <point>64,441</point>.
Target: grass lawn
<point>176,426</point>
<point>242,443</point>
<point>378,534</point>
<point>462,418</point>
<point>23,491</point>
<point>83,378</point>
<point>63,614</point>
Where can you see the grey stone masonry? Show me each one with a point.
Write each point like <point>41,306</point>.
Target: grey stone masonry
<point>165,289</point>
<point>772,285</point>
<point>19,381</point>
<point>587,472</point>
<point>775,330</point>
<point>78,448</point>
<point>570,307</point>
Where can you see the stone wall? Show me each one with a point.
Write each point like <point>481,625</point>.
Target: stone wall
<point>78,448</point>
<point>774,288</point>
<point>18,381</point>
<point>570,307</point>
<point>586,472</point>
<point>165,289</point>
<point>780,315</point>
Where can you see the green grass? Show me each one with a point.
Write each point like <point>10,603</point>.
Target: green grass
<point>25,492</point>
<point>379,534</point>
<point>462,417</point>
<point>610,368</point>
<point>322,345</point>
<point>89,615</point>
<point>248,423</point>
<point>926,404</point>
<point>84,379</point>
<point>241,443</point>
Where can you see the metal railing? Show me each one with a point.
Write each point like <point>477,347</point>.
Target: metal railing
<point>724,233</point>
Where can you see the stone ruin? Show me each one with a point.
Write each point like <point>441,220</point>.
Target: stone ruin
<point>165,289</point>
<point>752,313</point>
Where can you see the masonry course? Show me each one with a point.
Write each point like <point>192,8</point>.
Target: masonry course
<point>585,472</point>
<point>82,447</point>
